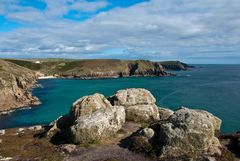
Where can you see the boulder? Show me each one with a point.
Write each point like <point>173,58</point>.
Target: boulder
<point>164,113</point>
<point>134,96</point>
<point>139,104</point>
<point>91,119</point>
<point>87,105</point>
<point>186,133</point>
<point>101,124</point>
<point>68,148</point>
<point>147,132</point>
<point>2,132</point>
<point>189,132</point>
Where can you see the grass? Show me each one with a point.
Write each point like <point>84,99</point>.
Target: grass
<point>26,63</point>
<point>26,147</point>
<point>91,67</point>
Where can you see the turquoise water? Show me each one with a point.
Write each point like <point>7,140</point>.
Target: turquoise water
<point>215,88</point>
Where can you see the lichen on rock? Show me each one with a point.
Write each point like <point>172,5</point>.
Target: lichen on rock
<point>139,104</point>
<point>91,118</point>
<point>187,132</point>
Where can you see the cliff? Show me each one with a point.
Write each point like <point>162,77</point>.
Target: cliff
<point>175,65</point>
<point>15,83</point>
<point>100,68</point>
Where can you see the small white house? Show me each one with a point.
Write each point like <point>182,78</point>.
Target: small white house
<point>37,62</point>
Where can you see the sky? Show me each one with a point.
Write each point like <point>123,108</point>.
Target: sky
<point>193,31</point>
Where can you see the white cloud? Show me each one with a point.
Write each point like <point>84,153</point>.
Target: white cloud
<point>85,6</point>
<point>157,29</point>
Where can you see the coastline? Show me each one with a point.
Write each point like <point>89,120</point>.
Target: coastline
<point>127,131</point>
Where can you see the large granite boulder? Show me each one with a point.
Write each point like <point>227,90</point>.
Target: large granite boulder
<point>101,124</point>
<point>87,105</point>
<point>91,119</point>
<point>139,104</point>
<point>189,133</point>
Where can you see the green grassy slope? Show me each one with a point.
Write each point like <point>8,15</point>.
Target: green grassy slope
<point>94,67</point>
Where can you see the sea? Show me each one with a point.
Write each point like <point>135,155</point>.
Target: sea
<point>215,88</point>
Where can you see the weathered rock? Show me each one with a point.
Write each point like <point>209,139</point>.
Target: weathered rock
<point>99,125</point>
<point>87,105</point>
<point>91,119</point>
<point>139,104</point>
<point>189,132</point>
<point>2,132</point>
<point>186,133</point>
<point>35,128</point>
<point>134,96</point>
<point>164,113</point>
<point>21,130</point>
<point>68,148</point>
<point>147,132</point>
<point>15,83</point>
<point>142,113</point>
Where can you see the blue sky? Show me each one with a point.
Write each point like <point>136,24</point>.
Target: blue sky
<point>194,31</point>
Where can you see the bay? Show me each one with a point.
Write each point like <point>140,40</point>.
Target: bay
<point>215,88</point>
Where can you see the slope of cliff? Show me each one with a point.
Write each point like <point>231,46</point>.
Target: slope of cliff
<point>94,68</point>
<point>15,83</point>
<point>175,65</point>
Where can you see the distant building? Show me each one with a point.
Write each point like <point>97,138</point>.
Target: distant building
<point>37,62</point>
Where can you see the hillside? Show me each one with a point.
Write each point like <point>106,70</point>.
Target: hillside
<point>99,68</point>
<point>175,65</point>
<point>15,82</point>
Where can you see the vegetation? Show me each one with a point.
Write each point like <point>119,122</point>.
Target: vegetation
<point>23,146</point>
<point>96,67</point>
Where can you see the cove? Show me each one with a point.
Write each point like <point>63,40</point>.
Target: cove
<point>215,88</point>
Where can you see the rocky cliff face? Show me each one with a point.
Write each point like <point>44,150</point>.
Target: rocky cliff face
<point>15,83</point>
<point>175,65</point>
<point>94,69</point>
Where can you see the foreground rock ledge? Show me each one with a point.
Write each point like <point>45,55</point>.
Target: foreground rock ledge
<point>189,133</point>
<point>185,133</point>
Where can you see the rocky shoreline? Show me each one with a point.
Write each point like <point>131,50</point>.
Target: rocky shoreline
<point>126,126</point>
<point>17,78</point>
<point>16,83</point>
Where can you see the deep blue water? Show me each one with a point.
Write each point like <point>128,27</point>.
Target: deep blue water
<point>215,88</point>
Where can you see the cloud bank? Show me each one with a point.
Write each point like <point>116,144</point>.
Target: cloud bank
<point>194,31</point>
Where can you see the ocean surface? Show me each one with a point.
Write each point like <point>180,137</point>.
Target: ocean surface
<point>215,88</point>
